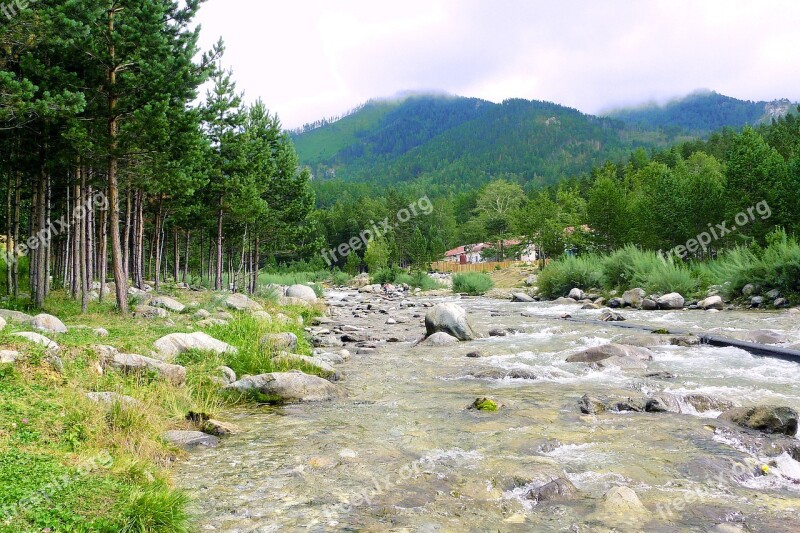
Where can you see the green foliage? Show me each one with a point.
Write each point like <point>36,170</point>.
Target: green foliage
<point>353,264</point>
<point>568,272</point>
<point>377,254</point>
<point>473,283</point>
<point>417,279</point>
<point>156,508</point>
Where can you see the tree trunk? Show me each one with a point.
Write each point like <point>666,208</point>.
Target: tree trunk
<point>83,223</point>
<point>159,222</point>
<point>186,258</point>
<point>15,269</point>
<point>120,282</point>
<point>9,237</point>
<point>76,237</point>
<point>176,266</point>
<point>126,252</point>
<point>218,281</point>
<point>103,255</point>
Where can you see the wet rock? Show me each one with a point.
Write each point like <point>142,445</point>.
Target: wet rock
<point>485,404</point>
<point>565,301</point>
<point>590,307</point>
<point>599,353</point>
<point>294,386</point>
<point>440,339</point>
<point>45,322</point>
<point>616,303</point>
<point>498,332</point>
<point>663,402</point>
<point>521,297</point>
<point>281,341</point>
<point>108,399</point>
<point>240,302</point>
<point>110,357</point>
<point>218,428</point>
<point>634,297</point>
<point>684,340</point>
<point>660,375</point>
<point>610,316</point>
<point>500,373</point>
<point>190,439</point>
<point>621,506</point>
<point>449,318</point>
<point>636,405</point>
<point>590,405</point>
<point>576,294</point>
<point>352,337</point>
<point>712,302</point>
<point>649,304</point>
<point>671,301</point>
<point>148,311</point>
<point>170,304</point>
<point>475,355</point>
<point>771,419</point>
<point>303,292</point>
<point>625,363</point>
<point>764,336</point>
<point>174,344</point>
<point>560,489</point>
<point>702,403</point>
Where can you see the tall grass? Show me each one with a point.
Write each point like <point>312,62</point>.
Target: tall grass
<point>415,279</point>
<point>560,276</point>
<point>473,283</point>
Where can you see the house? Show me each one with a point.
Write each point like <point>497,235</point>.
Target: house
<point>469,253</point>
<point>487,251</point>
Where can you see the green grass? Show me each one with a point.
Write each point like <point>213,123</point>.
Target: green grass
<point>415,279</point>
<point>49,428</point>
<point>564,274</point>
<point>473,283</point>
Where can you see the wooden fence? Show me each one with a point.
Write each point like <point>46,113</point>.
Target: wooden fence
<point>448,266</point>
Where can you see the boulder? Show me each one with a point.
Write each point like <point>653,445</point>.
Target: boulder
<point>36,338</point>
<point>702,403</point>
<point>500,373</point>
<point>625,363</point>
<point>240,302</point>
<point>303,292</point>
<point>227,374</point>
<point>576,294</point>
<point>168,303</point>
<point>560,489</point>
<point>565,301</point>
<point>590,405</point>
<point>621,507</point>
<point>108,399</point>
<point>174,344</point>
<point>764,336</point>
<point>45,322</point>
<point>671,301</point>
<point>780,303</point>
<point>281,341</point>
<point>712,302</point>
<point>8,357</point>
<point>319,366</point>
<point>610,316</point>
<point>771,419</point>
<point>375,288</point>
<point>521,297</point>
<point>634,297</point>
<point>202,314</point>
<point>289,387</point>
<point>599,353</point>
<point>15,317</point>
<point>190,439</point>
<point>449,318</point>
<point>262,315</point>
<point>616,303</point>
<point>649,304</point>
<point>485,404</point>
<point>101,332</point>
<point>440,338</point>
<point>291,300</point>
<point>750,289</point>
<point>148,311</point>
<point>756,301</point>
<point>773,294</point>
<point>110,357</point>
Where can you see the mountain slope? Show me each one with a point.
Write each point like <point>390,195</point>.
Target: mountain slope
<point>701,113</point>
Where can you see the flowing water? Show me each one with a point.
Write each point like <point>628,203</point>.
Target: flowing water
<point>404,454</point>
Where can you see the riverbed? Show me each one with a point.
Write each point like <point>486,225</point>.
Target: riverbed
<point>403,452</point>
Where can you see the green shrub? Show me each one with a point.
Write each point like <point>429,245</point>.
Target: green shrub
<point>418,280</point>
<point>386,275</point>
<point>156,508</point>
<point>340,279</point>
<point>562,275</point>
<point>665,275</point>
<point>474,283</point>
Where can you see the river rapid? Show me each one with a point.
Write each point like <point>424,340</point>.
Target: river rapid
<point>403,452</point>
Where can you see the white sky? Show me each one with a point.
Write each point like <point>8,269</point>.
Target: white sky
<point>309,59</point>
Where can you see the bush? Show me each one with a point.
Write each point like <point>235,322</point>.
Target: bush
<point>418,280</point>
<point>561,276</point>
<point>474,283</point>
<point>340,279</point>
<point>664,276</point>
<point>386,275</point>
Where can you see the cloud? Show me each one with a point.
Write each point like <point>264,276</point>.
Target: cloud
<point>310,59</point>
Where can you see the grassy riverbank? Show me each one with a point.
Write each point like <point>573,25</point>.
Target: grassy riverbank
<point>776,266</point>
<point>71,464</point>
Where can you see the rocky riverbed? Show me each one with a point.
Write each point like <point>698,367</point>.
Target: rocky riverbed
<point>542,426</point>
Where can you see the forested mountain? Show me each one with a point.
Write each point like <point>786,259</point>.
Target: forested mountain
<point>701,113</point>
<point>449,142</point>
<point>462,142</point>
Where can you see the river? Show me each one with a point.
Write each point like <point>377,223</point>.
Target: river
<point>403,453</point>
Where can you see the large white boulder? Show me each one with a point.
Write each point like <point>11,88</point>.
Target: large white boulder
<point>240,302</point>
<point>174,344</point>
<point>449,318</point>
<point>294,386</point>
<point>45,322</point>
<point>303,292</point>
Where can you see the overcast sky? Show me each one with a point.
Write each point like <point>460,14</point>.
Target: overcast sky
<point>309,59</point>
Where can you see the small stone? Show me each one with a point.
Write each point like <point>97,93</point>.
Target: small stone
<point>557,490</point>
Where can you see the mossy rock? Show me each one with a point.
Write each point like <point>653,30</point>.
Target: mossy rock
<point>485,404</point>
